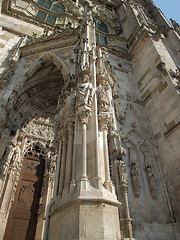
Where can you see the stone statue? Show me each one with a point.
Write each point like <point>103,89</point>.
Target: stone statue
<point>104,99</point>
<point>16,158</point>
<point>84,92</point>
<point>151,180</point>
<point>122,172</point>
<point>135,181</point>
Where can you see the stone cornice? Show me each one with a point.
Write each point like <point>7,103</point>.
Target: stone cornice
<point>48,46</point>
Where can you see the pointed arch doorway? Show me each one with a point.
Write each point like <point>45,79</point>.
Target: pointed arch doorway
<point>23,215</point>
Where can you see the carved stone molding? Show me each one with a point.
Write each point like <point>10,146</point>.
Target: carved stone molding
<point>175,73</point>
<point>176,26</point>
<point>40,130</point>
<point>105,119</point>
<point>83,113</point>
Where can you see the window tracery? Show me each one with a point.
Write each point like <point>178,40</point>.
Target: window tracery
<point>101,27</point>
<point>49,5</point>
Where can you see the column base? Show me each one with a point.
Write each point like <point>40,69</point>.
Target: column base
<point>72,186</point>
<point>109,186</point>
<point>83,184</point>
<point>98,183</point>
<point>85,219</point>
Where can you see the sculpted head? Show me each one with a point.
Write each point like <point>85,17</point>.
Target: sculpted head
<point>85,78</point>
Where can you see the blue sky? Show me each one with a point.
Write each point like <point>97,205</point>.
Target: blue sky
<point>170,8</point>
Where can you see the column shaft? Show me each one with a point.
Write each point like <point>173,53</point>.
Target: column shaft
<point>69,158</point>
<point>106,156</point>
<point>84,152</point>
<point>58,170</point>
<point>63,162</point>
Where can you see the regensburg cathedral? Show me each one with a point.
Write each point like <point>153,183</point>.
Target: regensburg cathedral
<point>89,121</point>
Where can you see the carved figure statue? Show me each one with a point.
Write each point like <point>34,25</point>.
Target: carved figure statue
<point>134,176</point>
<point>84,92</point>
<point>104,99</point>
<point>16,158</point>
<point>151,180</point>
<point>122,172</point>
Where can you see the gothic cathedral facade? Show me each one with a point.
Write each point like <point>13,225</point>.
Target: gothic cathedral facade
<point>89,121</point>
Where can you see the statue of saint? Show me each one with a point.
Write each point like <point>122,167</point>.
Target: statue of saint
<point>104,99</point>
<point>84,92</point>
<point>134,176</point>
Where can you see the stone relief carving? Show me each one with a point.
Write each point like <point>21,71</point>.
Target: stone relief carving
<point>121,111</point>
<point>49,34</point>
<point>39,129</point>
<point>26,195</point>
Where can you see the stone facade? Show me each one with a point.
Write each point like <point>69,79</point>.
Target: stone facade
<point>89,121</point>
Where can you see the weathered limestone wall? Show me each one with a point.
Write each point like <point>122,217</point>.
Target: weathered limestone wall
<point>159,94</point>
<point>10,33</point>
<point>138,140</point>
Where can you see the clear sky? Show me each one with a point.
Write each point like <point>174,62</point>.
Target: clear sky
<point>170,8</point>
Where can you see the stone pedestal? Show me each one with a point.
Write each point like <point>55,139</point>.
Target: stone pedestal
<point>88,215</point>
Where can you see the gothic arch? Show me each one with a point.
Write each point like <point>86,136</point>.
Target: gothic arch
<point>136,134</point>
<point>40,145</point>
<point>37,64</point>
<point>39,92</point>
<point>133,164</point>
<point>147,152</point>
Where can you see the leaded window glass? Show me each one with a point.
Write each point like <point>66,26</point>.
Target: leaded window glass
<point>100,25</point>
<point>41,14</point>
<point>51,18</point>
<point>49,5</point>
<point>52,5</point>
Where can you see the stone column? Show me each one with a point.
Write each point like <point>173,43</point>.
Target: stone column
<point>84,153</point>
<point>105,120</point>
<point>73,173</point>
<point>83,115</point>
<point>69,155</point>
<point>58,170</point>
<point>63,162</point>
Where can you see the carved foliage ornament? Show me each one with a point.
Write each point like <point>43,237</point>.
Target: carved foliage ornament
<point>40,130</point>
